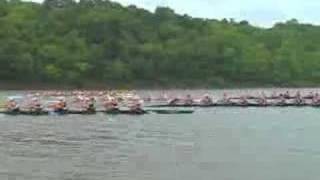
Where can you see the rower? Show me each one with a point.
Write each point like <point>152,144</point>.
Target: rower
<point>310,96</point>
<point>12,106</point>
<point>188,100</point>
<point>262,101</point>
<point>315,99</point>
<point>35,105</point>
<point>226,99</point>
<point>100,93</point>
<point>91,105</point>
<point>136,105</point>
<point>298,98</point>
<point>148,99</point>
<point>163,97</point>
<point>111,104</point>
<point>274,95</point>
<point>79,98</point>
<point>243,101</point>
<point>287,95</point>
<point>282,100</point>
<point>206,100</point>
<point>173,101</point>
<point>137,108</point>
<point>60,106</point>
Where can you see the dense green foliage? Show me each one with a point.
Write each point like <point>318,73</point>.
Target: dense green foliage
<point>97,41</point>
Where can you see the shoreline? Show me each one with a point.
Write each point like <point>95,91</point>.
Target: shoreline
<point>5,86</point>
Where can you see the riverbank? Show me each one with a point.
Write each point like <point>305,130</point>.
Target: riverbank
<point>141,86</point>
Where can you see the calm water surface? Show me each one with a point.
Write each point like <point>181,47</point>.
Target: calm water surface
<point>216,143</point>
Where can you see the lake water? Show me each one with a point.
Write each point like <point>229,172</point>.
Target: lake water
<point>214,143</point>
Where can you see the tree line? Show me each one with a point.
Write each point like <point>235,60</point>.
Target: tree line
<point>98,41</point>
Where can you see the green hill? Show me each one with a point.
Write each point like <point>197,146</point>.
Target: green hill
<point>101,42</point>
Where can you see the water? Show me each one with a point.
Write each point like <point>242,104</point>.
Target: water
<point>216,143</point>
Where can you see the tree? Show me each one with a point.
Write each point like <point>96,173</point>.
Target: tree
<point>99,41</point>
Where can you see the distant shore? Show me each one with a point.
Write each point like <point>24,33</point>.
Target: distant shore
<point>139,86</point>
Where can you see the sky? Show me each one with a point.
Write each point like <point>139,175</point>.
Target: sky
<point>262,13</point>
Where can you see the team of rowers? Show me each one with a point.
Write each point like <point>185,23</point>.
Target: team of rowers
<point>111,100</point>
<point>263,100</point>
<point>81,102</point>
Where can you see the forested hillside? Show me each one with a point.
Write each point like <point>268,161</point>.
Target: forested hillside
<point>96,41</point>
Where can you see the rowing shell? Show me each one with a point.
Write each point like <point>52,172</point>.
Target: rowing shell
<point>166,111</point>
<point>112,112</point>
<point>235,105</point>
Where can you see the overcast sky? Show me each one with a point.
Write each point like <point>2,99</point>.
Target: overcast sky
<point>258,12</point>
